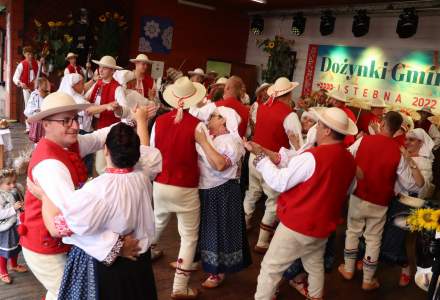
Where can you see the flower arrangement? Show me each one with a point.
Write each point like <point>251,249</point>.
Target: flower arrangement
<point>424,219</point>
<point>53,40</point>
<point>108,32</point>
<point>280,62</point>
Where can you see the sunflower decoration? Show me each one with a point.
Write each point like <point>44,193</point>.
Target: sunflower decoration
<point>51,24</point>
<point>424,219</point>
<point>280,61</point>
<point>102,18</point>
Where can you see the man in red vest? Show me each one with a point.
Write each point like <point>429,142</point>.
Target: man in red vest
<point>57,167</point>
<point>25,75</point>
<point>380,166</point>
<point>106,95</point>
<point>313,189</point>
<point>144,82</point>
<point>275,120</point>
<point>369,121</point>
<point>431,129</point>
<point>72,67</point>
<point>339,100</point>
<point>175,189</point>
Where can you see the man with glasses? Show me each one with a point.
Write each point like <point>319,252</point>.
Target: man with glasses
<point>57,167</point>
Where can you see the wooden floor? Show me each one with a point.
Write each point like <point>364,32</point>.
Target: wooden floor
<point>239,286</point>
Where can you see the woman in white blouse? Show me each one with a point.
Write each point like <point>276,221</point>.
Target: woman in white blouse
<point>418,148</point>
<point>118,201</point>
<point>223,245</point>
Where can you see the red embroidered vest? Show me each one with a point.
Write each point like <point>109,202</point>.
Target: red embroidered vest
<point>176,142</point>
<point>240,108</point>
<point>269,129</point>
<point>25,75</point>
<point>378,157</point>
<point>34,235</point>
<point>107,92</point>
<point>314,207</point>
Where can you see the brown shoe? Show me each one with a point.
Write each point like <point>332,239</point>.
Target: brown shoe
<point>19,269</point>
<point>260,250</point>
<point>190,293</point>
<point>371,286</point>
<point>345,274</point>
<point>213,281</point>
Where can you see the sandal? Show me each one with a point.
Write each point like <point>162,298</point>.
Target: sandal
<point>19,269</point>
<point>213,281</point>
<point>5,278</point>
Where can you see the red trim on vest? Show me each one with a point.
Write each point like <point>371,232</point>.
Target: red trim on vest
<point>35,236</point>
<point>74,69</point>
<point>240,108</point>
<point>25,75</point>
<point>269,129</point>
<point>106,118</point>
<point>177,145</point>
<point>314,207</point>
<point>378,157</point>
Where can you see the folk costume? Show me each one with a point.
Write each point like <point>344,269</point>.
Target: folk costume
<point>274,121</point>
<point>303,189</point>
<point>175,189</point>
<point>223,246</point>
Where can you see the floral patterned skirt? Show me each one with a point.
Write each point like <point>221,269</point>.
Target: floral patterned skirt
<point>223,246</point>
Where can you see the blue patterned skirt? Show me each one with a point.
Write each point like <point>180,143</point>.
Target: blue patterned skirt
<point>223,246</point>
<point>80,277</point>
<point>9,239</point>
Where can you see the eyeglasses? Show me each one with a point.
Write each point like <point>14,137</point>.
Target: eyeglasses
<point>68,122</point>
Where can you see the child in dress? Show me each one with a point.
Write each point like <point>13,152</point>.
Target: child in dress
<point>11,202</point>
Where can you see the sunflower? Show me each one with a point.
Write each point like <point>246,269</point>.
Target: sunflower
<point>427,218</point>
<point>102,18</point>
<point>51,24</point>
<point>68,38</point>
<point>271,45</point>
<point>59,24</point>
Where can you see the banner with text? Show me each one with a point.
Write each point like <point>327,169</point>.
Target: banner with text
<point>407,77</point>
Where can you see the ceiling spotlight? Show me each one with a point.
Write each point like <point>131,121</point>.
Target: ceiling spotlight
<point>407,24</point>
<point>327,22</point>
<point>257,25</point>
<point>298,24</point>
<point>361,23</point>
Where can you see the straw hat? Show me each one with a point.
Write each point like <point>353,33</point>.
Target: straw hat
<point>338,95</point>
<point>411,201</point>
<point>212,74</point>
<point>379,103</point>
<point>184,93</point>
<point>197,71</point>
<point>174,74</point>
<point>56,103</point>
<point>220,81</point>
<point>108,62</point>
<point>281,87</point>
<point>336,119</point>
<point>359,103</point>
<point>426,109</point>
<point>141,58</point>
<point>70,55</point>
<point>262,87</point>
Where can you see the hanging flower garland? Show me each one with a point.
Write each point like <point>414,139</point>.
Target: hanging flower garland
<point>280,62</point>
